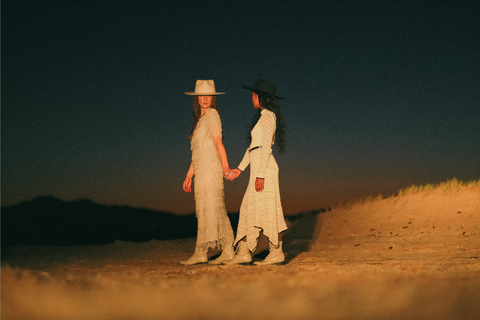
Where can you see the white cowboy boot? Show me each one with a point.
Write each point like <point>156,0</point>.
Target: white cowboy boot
<point>242,256</point>
<point>227,254</point>
<point>197,257</point>
<point>275,256</point>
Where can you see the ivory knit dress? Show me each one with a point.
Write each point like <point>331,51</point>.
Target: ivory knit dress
<point>261,210</point>
<point>214,228</point>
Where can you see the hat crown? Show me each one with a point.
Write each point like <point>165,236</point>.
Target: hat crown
<point>262,85</point>
<point>204,88</point>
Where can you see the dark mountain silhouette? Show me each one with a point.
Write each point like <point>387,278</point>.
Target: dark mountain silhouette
<point>51,221</point>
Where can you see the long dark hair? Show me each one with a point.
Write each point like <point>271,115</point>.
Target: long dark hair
<point>270,103</point>
<point>197,112</point>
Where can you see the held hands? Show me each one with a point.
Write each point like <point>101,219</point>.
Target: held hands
<point>233,174</point>
<point>228,174</point>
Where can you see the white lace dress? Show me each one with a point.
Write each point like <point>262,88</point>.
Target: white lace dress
<point>261,210</point>
<point>214,227</point>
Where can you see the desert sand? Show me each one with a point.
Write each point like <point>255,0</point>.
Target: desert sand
<point>413,256</point>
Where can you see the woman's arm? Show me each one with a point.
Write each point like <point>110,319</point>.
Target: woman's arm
<point>242,166</point>
<point>187,184</point>
<point>245,161</point>
<point>217,140</point>
<point>268,126</point>
<point>214,124</point>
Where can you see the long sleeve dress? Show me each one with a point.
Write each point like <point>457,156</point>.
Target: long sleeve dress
<point>261,210</point>
<point>214,227</point>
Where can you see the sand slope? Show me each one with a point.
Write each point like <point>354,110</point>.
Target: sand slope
<point>413,256</point>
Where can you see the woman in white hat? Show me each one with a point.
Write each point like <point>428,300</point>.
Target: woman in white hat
<point>209,165</point>
<point>261,208</point>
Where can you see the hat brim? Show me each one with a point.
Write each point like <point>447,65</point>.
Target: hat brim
<point>256,90</point>
<point>204,94</point>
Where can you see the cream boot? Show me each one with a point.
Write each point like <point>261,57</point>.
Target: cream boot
<point>227,254</point>
<point>275,256</point>
<point>242,256</point>
<point>197,257</point>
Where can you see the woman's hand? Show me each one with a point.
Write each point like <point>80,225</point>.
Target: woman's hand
<point>187,184</point>
<point>259,184</point>
<point>227,173</point>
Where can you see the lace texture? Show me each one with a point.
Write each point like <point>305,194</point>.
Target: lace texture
<point>214,227</point>
<point>261,210</point>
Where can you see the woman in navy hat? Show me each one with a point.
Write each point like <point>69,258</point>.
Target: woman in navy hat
<point>261,208</point>
<point>209,165</point>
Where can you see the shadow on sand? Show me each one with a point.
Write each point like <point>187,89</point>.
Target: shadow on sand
<point>301,234</point>
<point>299,237</point>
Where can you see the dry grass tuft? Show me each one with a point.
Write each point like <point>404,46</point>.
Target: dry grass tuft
<point>453,185</point>
<point>450,185</point>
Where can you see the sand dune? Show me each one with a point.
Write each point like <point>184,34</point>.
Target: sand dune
<point>413,256</point>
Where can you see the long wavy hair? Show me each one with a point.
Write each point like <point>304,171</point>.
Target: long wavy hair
<point>197,112</point>
<point>270,103</point>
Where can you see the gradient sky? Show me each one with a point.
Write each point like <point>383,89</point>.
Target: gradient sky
<point>380,95</point>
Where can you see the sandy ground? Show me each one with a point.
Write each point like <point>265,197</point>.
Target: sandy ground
<point>407,257</point>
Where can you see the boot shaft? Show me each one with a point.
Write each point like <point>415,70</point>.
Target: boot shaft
<point>275,256</point>
<point>275,248</point>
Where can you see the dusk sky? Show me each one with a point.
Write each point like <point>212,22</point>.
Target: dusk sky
<point>380,95</point>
